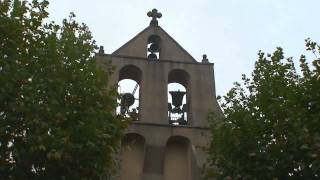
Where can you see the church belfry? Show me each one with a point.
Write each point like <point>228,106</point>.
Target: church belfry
<point>169,95</point>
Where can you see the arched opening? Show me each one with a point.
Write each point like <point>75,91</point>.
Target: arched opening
<point>153,47</point>
<point>176,164</point>
<point>178,94</point>
<point>132,157</point>
<point>129,91</point>
<point>177,112</point>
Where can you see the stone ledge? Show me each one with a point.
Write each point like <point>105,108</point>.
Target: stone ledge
<point>154,61</point>
<point>169,125</point>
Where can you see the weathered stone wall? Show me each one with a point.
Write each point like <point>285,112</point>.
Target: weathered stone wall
<point>159,158</point>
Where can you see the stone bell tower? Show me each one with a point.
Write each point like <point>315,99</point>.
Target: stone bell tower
<point>166,140</point>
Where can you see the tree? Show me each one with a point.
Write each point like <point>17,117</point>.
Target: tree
<point>271,125</point>
<point>56,119</point>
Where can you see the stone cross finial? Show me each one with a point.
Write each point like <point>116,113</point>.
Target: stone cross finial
<point>154,14</point>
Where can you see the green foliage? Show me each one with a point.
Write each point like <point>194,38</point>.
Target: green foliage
<point>271,127</point>
<point>56,118</point>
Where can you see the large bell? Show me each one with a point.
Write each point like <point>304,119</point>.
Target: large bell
<point>177,97</point>
<point>152,56</point>
<point>127,100</point>
<point>154,47</point>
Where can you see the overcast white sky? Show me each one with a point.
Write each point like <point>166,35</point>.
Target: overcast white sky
<point>230,32</point>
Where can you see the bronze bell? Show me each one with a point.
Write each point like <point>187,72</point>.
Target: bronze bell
<point>177,97</point>
<point>152,56</point>
<point>127,100</point>
<point>154,47</point>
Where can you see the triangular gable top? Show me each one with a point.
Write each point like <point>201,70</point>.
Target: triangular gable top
<point>169,48</point>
